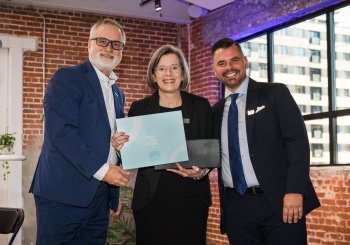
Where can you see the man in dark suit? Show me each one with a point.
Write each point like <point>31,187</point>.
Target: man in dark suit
<point>77,176</point>
<point>265,188</point>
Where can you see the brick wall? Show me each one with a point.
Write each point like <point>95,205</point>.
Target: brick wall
<point>330,224</point>
<point>203,81</point>
<point>66,44</point>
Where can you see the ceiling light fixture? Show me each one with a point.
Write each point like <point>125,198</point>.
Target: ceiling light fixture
<point>143,2</point>
<point>157,5</point>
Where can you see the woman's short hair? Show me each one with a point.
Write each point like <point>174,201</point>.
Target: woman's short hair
<point>107,22</point>
<point>153,63</point>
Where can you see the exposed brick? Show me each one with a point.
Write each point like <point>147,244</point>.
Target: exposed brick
<point>66,44</point>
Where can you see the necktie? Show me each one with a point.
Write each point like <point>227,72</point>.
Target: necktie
<point>239,182</point>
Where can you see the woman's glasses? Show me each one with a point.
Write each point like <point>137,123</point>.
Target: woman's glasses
<point>174,69</point>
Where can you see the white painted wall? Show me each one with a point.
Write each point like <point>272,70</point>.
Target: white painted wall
<point>11,111</point>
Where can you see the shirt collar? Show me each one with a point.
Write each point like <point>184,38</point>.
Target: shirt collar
<point>106,81</point>
<point>242,89</point>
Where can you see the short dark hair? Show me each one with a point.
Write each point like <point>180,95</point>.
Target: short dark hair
<point>225,43</point>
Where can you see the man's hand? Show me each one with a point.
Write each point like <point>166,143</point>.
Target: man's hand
<point>119,139</point>
<point>292,207</point>
<point>116,176</point>
<point>119,210</point>
<point>194,173</point>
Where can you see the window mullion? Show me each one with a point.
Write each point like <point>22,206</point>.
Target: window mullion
<point>331,88</point>
<point>270,58</point>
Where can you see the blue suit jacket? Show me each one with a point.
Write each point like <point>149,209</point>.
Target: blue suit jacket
<point>278,145</point>
<point>77,137</point>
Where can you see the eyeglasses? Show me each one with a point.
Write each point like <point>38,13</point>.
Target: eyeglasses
<point>174,69</point>
<point>104,42</point>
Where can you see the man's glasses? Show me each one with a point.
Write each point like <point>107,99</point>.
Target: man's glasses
<point>104,42</point>
<point>174,69</point>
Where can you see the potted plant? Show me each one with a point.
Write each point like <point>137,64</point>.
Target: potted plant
<point>6,148</point>
<point>6,144</point>
<point>122,228</point>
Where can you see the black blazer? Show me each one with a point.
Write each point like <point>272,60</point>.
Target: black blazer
<point>199,113</point>
<point>278,144</point>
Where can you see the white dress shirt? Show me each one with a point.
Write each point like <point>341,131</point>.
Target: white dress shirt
<point>248,170</point>
<point>106,86</point>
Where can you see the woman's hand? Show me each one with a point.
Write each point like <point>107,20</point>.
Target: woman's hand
<point>119,139</point>
<point>194,173</point>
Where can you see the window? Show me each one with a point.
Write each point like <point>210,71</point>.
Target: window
<point>316,131</point>
<point>282,50</point>
<point>300,89</point>
<point>302,108</point>
<point>247,50</point>
<point>346,92</point>
<point>281,32</point>
<point>316,93</point>
<point>346,38</point>
<point>249,70</point>
<point>263,70</point>
<point>303,58</point>
<point>299,70</point>
<point>343,137</point>
<point>347,74</point>
<point>297,32</point>
<point>315,75</point>
<point>262,50</point>
<point>282,68</point>
<point>315,56</point>
<point>297,51</point>
<point>317,150</point>
<point>314,37</point>
<point>316,109</point>
<point>342,66</point>
<point>256,52</point>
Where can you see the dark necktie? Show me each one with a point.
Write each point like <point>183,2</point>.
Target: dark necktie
<point>239,182</point>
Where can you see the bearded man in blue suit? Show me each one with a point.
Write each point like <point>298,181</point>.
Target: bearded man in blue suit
<point>265,188</point>
<point>77,179</point>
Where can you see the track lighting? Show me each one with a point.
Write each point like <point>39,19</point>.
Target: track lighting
<point>157,5</point>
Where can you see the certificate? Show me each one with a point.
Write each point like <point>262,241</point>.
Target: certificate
<point>154,139</point>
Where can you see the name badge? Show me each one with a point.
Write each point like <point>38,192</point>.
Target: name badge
<point>186,120</point>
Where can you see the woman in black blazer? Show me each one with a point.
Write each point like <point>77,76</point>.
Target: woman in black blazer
<point>171,207</point>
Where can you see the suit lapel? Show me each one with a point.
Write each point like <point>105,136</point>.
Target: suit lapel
<point>252,101</point>
<point>218,118</point>
<point>96,86</point>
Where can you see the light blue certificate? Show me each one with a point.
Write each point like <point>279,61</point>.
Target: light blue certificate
<point>154,139</point>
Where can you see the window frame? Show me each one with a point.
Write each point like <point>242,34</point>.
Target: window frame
<point>332,114</point>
